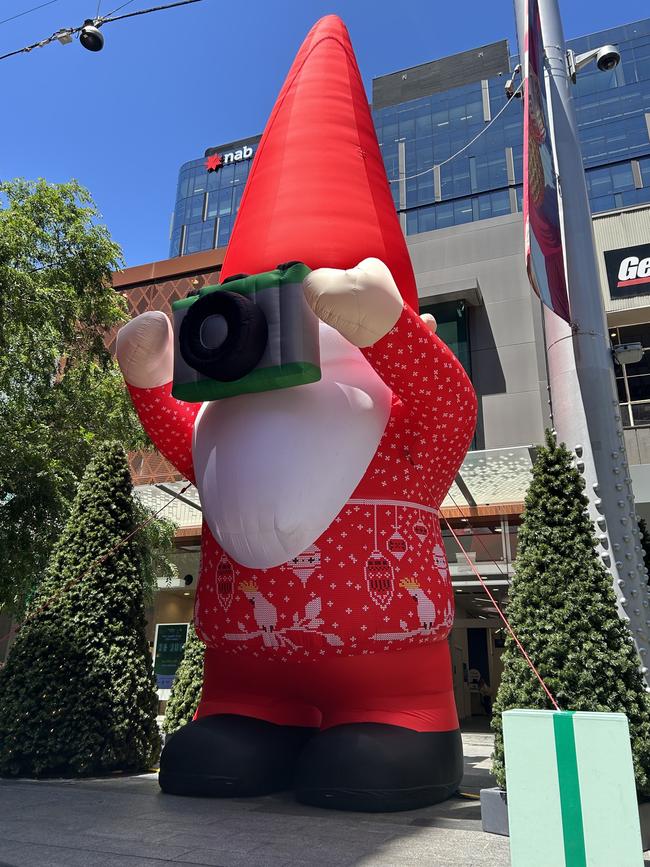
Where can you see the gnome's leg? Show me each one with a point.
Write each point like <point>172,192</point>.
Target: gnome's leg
<point>248,734</point>
<point>390,738</point>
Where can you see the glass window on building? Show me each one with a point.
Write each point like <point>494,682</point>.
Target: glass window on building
<point>633,380</point>
<point>175,243</point>
<point>613,186</point>
<point>412,222</point>
<point>224,228</point>
<point>193,238</point>
<point>453,330</point>
<point>423,121</point>
<point>425,219</point>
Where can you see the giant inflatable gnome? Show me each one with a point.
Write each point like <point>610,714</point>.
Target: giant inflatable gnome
<point>322,421</point>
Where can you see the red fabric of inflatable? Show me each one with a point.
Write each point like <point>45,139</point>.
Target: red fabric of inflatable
<point>317,190</point>
<point>329,492</point>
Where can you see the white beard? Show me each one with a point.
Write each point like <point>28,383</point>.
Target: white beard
<point>274,469</point>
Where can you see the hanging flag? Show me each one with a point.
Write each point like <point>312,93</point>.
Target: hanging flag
<point>543,238</point>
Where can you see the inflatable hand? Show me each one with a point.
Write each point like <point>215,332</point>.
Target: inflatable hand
<point>430,321</point>
<point>145,350</point>
<point>362,303</point>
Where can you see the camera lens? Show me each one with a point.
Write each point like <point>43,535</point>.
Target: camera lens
<point>214,331</point>
<point>223,335</point>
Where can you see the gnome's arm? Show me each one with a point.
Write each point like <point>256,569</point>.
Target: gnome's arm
<point>365,306</point>
<point>145,352</point>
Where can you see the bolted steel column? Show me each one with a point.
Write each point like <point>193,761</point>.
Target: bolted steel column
<point>585,404</point>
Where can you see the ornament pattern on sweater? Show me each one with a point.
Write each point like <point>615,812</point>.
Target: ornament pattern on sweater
<point>377,579</point>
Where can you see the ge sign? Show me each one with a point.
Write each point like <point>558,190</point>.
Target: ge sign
<point>628,271</point>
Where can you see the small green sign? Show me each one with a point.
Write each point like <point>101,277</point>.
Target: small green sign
<point>168,652</point>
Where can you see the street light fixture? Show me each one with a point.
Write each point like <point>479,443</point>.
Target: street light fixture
<point>90,36</point>
<point>628,353</point>
<point>89,33</point>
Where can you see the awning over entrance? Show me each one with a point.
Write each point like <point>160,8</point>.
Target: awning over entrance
<point>183,509</point>
<point>490,482</point>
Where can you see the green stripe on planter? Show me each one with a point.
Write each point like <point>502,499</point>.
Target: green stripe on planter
<point>567,771</point>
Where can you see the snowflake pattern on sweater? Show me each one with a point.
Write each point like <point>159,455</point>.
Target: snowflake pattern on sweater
<point>377,579</point>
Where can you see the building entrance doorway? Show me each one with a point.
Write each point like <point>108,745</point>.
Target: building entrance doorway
<point>476,647</point>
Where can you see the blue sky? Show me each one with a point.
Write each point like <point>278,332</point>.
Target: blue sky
<point>170,84</point>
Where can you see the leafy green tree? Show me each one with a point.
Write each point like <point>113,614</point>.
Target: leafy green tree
<point>563,608</point>
<point>61,392</point>
<point>77,694</point>
<point>186,689</point>
<point>155,544</point>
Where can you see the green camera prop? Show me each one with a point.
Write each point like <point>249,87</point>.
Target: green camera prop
<point>249,334</point>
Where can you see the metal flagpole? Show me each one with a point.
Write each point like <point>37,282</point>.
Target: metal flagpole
<point>586,413</point>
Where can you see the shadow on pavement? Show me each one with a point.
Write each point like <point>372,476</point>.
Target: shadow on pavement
<point>128,822</point>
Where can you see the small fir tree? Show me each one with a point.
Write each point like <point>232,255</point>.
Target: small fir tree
<point>186,689</point>
<point>77,695</point>
<point>563,608</point>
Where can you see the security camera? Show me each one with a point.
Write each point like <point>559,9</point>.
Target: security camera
<point>90,36</point>
<point>608,58</point>
<point>509,86</point>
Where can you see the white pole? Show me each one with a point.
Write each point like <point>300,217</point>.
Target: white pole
<point>586,412</point>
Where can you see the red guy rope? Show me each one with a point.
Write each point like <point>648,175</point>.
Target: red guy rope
<point>141,526</point>
<point>97,562</point>
<point>503,617</point>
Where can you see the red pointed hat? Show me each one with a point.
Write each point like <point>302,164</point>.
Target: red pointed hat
<point>317,190</point>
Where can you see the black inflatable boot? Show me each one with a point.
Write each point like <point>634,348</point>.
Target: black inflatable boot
<point>372,767</point>
<point>229,756</point>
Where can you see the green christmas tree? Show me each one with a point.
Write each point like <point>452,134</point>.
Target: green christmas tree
<point>186,689</point>
<point>563,608</point>
<point>77,695</point>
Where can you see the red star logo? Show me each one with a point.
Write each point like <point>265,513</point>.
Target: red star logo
<point>212,163</point>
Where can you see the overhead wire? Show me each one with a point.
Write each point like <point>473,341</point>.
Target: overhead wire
<point>121,542</point>
<point>99,22</point>
<point>77,579</point>
<point>114,17</point>
<point>128,3</point>
<point>464,147</point>
<point>27,11</point>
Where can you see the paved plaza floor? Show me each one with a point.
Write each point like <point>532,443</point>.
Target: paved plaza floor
<point>127,822</point>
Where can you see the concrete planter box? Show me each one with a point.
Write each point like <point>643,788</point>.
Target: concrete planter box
<point>494,815</point>
<point>494,811</point>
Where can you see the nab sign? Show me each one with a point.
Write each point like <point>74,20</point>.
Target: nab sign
<point>628,271</point>
<point>216,160</point>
